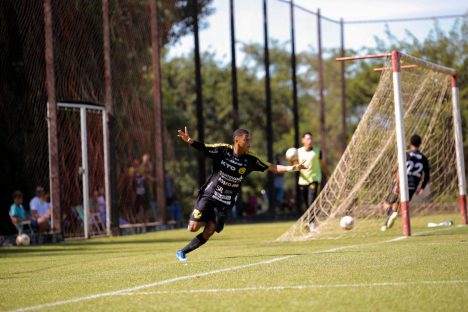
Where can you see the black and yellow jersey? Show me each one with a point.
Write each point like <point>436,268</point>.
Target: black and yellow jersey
<point>228,171</point>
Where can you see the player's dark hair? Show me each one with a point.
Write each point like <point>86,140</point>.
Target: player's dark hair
<point>307,133</point>
<point>239,132</point>
<point>17,194</point>
<point>415,140</point>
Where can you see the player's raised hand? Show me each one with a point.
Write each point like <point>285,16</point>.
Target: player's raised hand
<point>184,135</point>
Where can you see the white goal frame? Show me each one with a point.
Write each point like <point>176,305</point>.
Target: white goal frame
<point>83,108</point>
<point>396,57</point>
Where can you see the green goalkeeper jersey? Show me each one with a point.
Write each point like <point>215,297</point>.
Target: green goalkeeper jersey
<point>313,173</point>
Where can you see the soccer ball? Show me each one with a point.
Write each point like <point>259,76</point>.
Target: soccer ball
<point>22,240</point>
<point>347,222</point>
<point>291,154</point>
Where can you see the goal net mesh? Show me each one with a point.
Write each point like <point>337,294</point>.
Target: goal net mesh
<point>366,171</point>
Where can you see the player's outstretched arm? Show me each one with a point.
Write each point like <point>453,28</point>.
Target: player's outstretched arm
<point>282,169</point>
<point>184,136</point>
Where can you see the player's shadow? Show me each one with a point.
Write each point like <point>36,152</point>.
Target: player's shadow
<point>126,242</point>
<point>72,247</point>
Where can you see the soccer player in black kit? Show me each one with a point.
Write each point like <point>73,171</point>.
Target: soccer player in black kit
<point>230,165</point>
<point>417,165</point>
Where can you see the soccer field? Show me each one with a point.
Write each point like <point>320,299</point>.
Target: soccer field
<point>243,269</point>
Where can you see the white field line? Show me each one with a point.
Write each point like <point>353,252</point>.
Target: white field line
<point>182,278</point>
<point>164,282</point>
<point>266,288</point>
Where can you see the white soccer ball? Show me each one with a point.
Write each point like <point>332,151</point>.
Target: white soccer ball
<point>291,154</point>
<point>347,222</point>
<point>23,240</point>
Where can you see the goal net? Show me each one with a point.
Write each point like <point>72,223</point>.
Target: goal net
<point>364,175</point>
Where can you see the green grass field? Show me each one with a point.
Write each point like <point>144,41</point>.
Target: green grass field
<point>243,269</point>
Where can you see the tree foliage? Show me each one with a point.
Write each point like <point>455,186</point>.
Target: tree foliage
<point>449,49</point>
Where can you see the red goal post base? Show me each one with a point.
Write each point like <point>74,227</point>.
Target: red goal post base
<point>463,215</point>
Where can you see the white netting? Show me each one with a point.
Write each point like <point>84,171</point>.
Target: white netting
<point>362,179</point>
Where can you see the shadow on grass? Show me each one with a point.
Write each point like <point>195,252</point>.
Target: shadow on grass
<point>86,246</point>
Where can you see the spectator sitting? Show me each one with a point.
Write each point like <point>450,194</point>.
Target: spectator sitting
<point>98,204</point>
<point>102,204</point>
<point>40,210</point>
<point>17,212</point>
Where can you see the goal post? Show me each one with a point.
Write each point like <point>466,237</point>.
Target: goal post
<point>413,96</point>
<point>401,144</point>
<point>459,149</point>
<point>87,128</point>
<point>396,57</point>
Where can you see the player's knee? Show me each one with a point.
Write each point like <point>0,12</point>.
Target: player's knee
<point>209,231</point>
<point>193,227</point>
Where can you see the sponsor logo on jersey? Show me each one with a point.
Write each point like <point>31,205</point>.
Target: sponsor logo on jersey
<point>242,170</point>
<point>196,213</point>
<point>221,196</point>
<point>231,178</point>
<point>227,183</point>
<point>229,166</point>
<point>218,198</point>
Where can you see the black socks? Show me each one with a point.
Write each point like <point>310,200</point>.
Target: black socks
<point>196,242</point>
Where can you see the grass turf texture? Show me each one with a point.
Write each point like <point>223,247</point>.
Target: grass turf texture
<point>372,272</point>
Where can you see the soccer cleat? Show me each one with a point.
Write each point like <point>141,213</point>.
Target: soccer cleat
<point>181,256</point>
<point>312,226</point>
<point>392,219</point>
<point>383,228</point>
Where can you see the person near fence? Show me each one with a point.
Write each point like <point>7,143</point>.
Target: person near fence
<point>141,202</point>
<point>146,169</point>
<point>230,165</point>
<point>101,201</point>
<point>17,213</point>
<point>40,210</point>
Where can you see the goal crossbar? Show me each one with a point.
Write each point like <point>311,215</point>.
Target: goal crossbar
<point>432,66</point>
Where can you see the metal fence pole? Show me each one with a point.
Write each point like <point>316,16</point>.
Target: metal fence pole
<point>52,120</point>
<point>235,99</point>
<point>323,131</point>
<point>110,163</point>
<point>269,126</point>
<point>160,192</point>
<point>294,95</point>
<point>344,129</point>
<point>199,100</point>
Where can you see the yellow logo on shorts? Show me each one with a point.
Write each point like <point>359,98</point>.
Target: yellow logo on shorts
<point>196,214</point>
<point>242,170</point>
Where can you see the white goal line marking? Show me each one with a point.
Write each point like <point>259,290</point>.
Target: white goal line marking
<point>266,288</point>
<point>182,278</point>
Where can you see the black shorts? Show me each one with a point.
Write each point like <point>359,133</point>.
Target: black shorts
<point>393,198</point>
<point>309,193</point>
<point>204,210</point>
